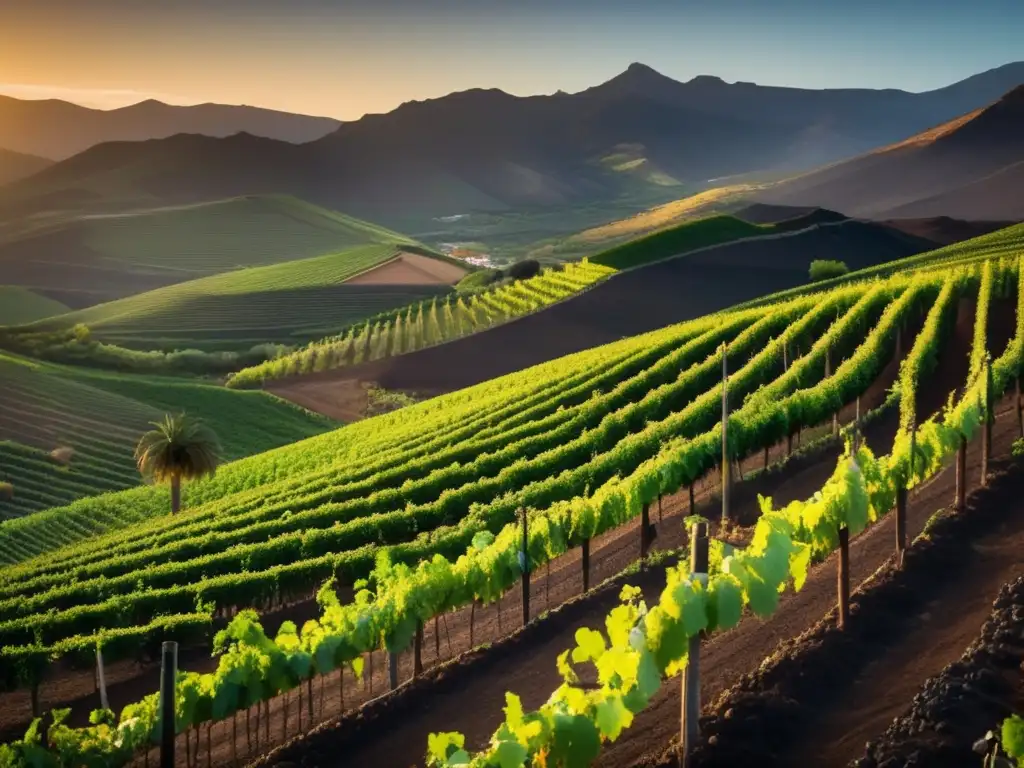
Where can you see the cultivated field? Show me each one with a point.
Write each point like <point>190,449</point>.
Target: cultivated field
<point>285,303</point>
<point>98,258</point>
<point>585,444</point>
<point>427,324</point>
<point>66,433</point>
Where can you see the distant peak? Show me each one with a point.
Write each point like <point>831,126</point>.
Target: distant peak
<point>637,68</point>
<point>706,80</point>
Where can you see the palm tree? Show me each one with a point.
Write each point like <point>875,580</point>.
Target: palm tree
<point>180,448</point>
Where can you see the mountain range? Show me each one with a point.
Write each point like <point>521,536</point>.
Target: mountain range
<point>969,168</point>
<point>488,150</point>
<point>58,129</point>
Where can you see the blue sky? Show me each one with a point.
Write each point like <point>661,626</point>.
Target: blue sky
<point>348,57</point>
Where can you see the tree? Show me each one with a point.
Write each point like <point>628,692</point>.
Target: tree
<point>824,269</point>
<point>180,448</point>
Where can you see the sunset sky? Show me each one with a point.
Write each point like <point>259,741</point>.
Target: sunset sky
<point>344,58</point>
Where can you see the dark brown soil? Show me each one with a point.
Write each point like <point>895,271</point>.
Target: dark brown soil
<point>967,699</point>
<point>944,230</point>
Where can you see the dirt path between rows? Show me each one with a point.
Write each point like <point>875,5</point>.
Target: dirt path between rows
<point>903,661</point>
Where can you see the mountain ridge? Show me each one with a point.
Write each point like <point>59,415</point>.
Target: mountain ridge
<point>484,149</point>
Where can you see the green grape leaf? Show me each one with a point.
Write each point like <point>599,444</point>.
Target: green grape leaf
<point>510,754</point>
<point>613,717</point>
<point>727,600</point>
<point>1013,736</point>
<point>589,645</point>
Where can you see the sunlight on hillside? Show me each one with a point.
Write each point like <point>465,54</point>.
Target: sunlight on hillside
<point>666,214</point>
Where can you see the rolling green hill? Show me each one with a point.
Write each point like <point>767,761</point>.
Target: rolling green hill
<point>19,306</point>
<point>284,303</point>
<point>100,417</point>
<point>96,258</point>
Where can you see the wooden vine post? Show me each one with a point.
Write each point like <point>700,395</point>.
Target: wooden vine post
<point>168,676</point>
<point>901,501</point>
<point>961,474</point>
<point>525,564</point>
<point>101,679</point>
<point>828,372</point>
<point>726,479</point>
<point>989,418</point>
<point>690,714</point>
<point>843,574</point>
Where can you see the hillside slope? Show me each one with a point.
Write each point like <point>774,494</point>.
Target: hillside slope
<point>488,150</point>
<point>639,300</point>
<point>287,303</point>
<point>970,168</point>
<point>86,260</point>
<point>19,305</point>
<point>17,165</point>
<point>101,416</point>
<point>58,129</point>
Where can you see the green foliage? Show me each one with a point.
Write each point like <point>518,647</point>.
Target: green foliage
<point>437,321</point>
<point>1011,737</point>
<point>482,278</point>
<point>678,240</point>
<point>826,269</point>
<point>423,504</point>
<point>101,416</point>
<point>1018,448</point>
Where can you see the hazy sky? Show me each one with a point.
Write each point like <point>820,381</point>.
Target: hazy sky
<point>345,58</point>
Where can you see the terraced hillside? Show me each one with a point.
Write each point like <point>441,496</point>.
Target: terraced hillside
<point>285,303</point>
<point>93,259</point>
<point>429,323</point>
<point>584,443</point>
<point>68,433</point>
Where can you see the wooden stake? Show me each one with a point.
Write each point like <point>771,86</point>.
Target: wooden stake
<point>659,508</point>
<point>101,679</point>
<point>726,481</point>
<point>986,444</point>
<point>961,475</point>
<point>586,564</point>
<point>691,498</point>
<point>168,676</point>
<point>690,706</point>
<point>844,577</point>
<point>472,616</point>
<point>437,639</point>
<point>526,568</point>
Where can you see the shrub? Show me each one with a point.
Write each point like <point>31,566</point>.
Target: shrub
<point>479,279</point>
<point>825,269</point>
<point>523,270</point>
